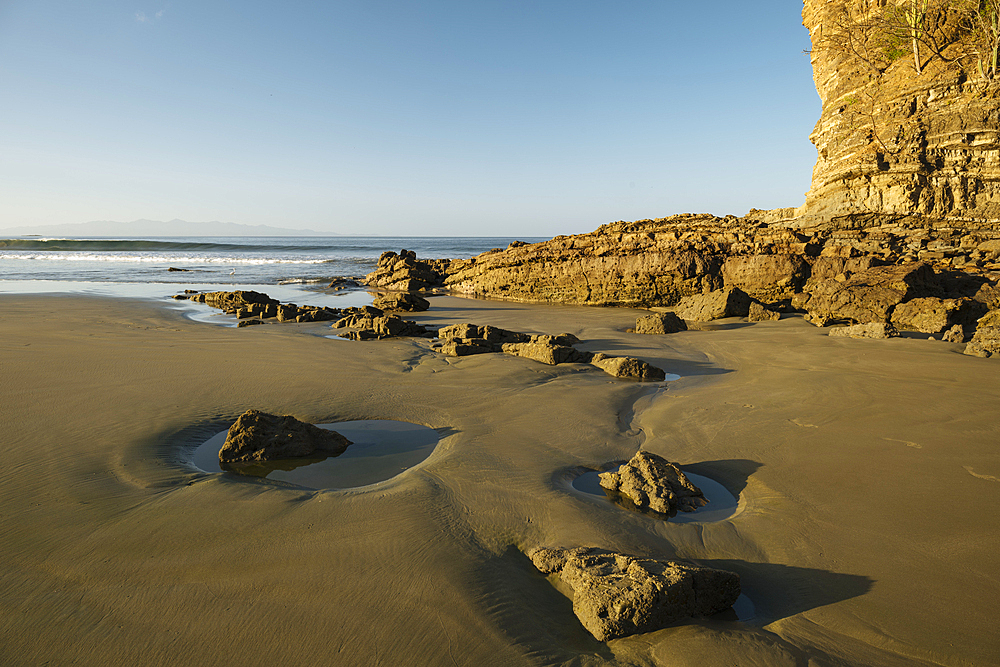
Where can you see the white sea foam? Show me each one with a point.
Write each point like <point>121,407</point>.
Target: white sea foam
<point>90,257</point>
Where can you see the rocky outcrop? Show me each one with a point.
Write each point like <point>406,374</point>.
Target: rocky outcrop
<point>546,352</point>
<point>870,295</point>
<point>659,323</point>
<point>628,368</point>
<point>986,341</point>
<point>616,595</point>
<point>401,301</point>
<point>956,334</point>
<point>370,323</point>
<point>650,482</point>
<point>259,436</point>
<point>465,339</point>
<point>232,302</point>
<point>254,307</point>
<point>870,330</point>
<point>761,313</point>
<point>890,139</point>
<point>730,302</point>
<point>403,272</point>
<point>934,315</point>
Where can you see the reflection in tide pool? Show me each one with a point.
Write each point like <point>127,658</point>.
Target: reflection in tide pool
<point>381,450</point>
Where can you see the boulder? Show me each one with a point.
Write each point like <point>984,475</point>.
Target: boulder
<point>989,295</point>
<point>403,301</point>
<point>956,334</point>
<point>547,352</point>
<point>651,482</point>
<point>732,302</point>
<point>659,323</point>
<point>378,327</point>
<point>760,313</point>
<point>287,312</point>
<point>870,330</point>
<point>933,315</point>
<point>230,302</point>
<point>628,367</point>
<point>871,295</point>
<point>493,335</point>
<point>259,436</point>
<point>617,595</point>
<point>404,272</point>
<point>986,341</point>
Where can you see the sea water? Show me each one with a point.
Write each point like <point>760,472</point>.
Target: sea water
<point>221,261</point>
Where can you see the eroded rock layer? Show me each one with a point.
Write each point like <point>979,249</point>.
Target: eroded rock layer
<point>894,140</point>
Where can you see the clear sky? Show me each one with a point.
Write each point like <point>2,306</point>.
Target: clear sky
<point>439,117</point>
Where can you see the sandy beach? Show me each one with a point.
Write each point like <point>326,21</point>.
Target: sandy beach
<point>867,471</point>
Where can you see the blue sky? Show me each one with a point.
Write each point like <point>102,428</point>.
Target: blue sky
<point>530,118</point>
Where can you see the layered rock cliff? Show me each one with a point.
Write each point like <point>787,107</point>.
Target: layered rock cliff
<point>892,140</point>
<point>907,173</point>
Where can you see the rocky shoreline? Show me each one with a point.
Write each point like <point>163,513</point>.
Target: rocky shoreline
<point>912,273</point>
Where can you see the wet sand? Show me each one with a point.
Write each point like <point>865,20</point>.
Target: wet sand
<point>868,474</point>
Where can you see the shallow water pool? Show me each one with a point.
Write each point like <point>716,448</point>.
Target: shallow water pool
<point>381,450</point>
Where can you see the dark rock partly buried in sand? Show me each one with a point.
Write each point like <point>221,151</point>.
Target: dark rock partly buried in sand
<point>616,595</point>
<point>659,323</point>
<point>259,436</point>
<point>651,482</point>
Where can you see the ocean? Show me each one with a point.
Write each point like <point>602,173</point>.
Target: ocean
<point>283,267</point>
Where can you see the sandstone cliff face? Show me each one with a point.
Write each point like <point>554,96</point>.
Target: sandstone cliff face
<point>895,141</point>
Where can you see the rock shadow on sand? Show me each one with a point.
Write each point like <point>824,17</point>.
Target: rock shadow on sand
<point>534,614</point>
<point>780,591</point>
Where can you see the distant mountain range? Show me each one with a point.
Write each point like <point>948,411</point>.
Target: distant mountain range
<point>157,228</point>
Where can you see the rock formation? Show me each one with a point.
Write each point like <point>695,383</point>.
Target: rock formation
<point>370,323</point>
<point>403,272</point>
<point>259,436</point>
<point>616,595</point>
<point>986,341</point>
<point>401,301</point>
<point>460,340</point>
<point>760,313</point>
<point>933,315</point>
<point>651,482</point>
<point>895,140</point>
<point>730,302</point>
<point>248,304</point>
<point>628,367</point>
<point>904,202</point>
<point>870,295</point>
<point>659,323</point>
